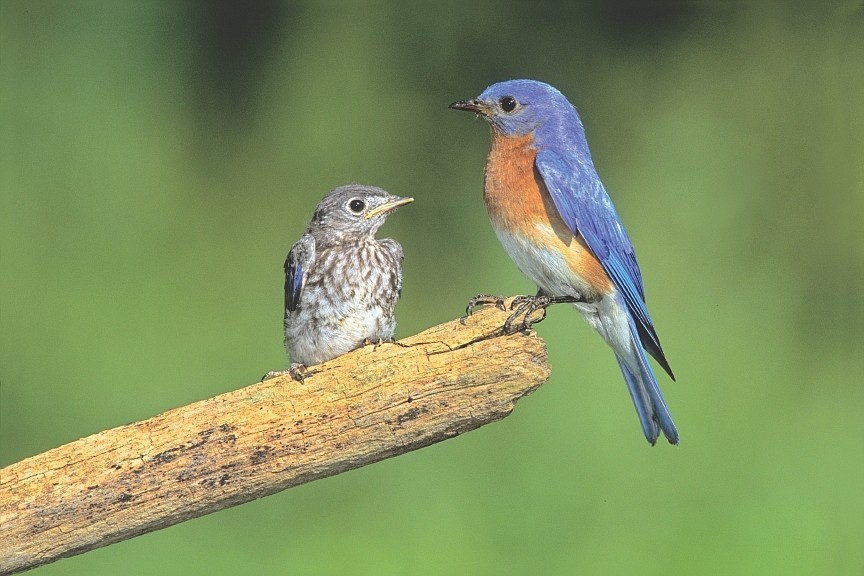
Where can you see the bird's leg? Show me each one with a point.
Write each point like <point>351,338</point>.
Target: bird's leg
<point>483,300</point>
<point>525,306</point>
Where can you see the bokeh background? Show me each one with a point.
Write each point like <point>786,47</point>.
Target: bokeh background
<point>159,158</point>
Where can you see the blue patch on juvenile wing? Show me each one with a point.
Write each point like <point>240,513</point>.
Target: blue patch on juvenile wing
<point>587,210</point>
<point>300,261</point>
<point>293,284</point>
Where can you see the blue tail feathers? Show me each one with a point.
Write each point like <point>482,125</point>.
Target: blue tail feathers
<point>650,405</point>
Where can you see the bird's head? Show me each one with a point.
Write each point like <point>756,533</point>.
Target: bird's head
<point>522,107</point>
<point>354,209</point>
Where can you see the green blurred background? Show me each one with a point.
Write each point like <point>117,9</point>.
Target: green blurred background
<point>159,158</point>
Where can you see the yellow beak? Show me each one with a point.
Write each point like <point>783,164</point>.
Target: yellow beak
<point>387,207</point>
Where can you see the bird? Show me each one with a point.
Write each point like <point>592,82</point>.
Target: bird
<point>341,283</point>
<point>556,221</point>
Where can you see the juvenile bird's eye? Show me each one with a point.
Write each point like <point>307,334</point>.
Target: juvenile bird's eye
<point>508,103</point>
<point>356,205</point>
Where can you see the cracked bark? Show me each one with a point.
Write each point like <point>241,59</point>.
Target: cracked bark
<point>374,403</point>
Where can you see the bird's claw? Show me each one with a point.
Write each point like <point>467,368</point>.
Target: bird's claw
<point>526,306</point>
<point>378,342</point>
<point>298,372</point>
<point>483,300</point>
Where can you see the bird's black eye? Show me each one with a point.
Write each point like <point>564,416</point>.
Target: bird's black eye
<point>508,103</point>
<point>356,205</point>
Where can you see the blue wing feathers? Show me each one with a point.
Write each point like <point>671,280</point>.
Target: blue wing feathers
<point>293,284</point>
<point>586,208</point>
<point>297,265</point>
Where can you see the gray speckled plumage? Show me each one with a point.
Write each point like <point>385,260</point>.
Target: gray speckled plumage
<point>341,284</point>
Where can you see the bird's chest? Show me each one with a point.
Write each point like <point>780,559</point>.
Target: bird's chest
<point>517,200</point>
<point>512,192</point>
<point>349,297</point>
<point>529,226</point>
<point>350,279</point>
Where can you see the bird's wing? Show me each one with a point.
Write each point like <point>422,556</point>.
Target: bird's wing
<point>297,266</point>
<point>587,210</point>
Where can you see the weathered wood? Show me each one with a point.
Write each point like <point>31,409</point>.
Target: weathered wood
<point>368,405</point>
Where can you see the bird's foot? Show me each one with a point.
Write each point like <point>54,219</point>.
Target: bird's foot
<point>273,374</point>
<point>378,342</point>
<point>483,300</point>
<point>297,371</point>
<point>300,372</point>
<point>526,306</point>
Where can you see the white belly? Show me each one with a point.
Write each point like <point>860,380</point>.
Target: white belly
<point>545,267</point>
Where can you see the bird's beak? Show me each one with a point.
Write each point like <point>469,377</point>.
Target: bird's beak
<point>474,105</point>
<point>387,207</point>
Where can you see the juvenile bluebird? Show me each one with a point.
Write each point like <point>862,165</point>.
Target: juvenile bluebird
<point>341,284</point>
<point>556,221</point>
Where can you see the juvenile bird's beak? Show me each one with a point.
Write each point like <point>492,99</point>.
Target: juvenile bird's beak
<point>474,105</point>
<point>387,207</point>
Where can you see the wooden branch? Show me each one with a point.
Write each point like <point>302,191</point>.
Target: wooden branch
<point>365,406</point>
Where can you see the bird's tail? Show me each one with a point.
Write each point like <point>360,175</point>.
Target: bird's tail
<point>650,405</point>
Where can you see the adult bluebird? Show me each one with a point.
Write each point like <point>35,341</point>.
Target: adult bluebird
<point>341,283</point>
<point>556,221</point>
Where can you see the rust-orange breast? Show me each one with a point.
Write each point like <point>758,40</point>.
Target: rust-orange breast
<point>519,203</point>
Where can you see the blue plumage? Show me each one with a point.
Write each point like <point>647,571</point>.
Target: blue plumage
<point>536,115</point>
<point>585,206</point>
<point>293,283</point>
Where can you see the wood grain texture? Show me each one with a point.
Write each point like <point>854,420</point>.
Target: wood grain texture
<point>360,408</point>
